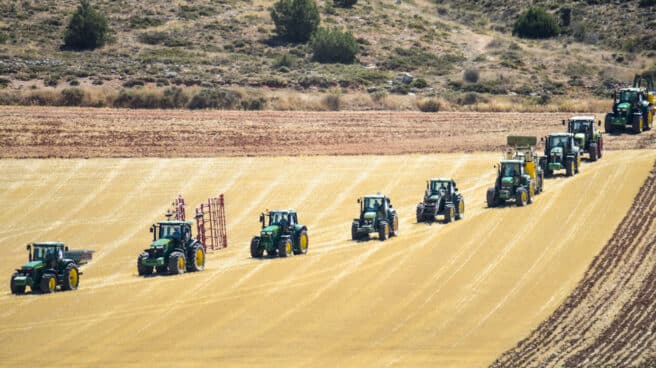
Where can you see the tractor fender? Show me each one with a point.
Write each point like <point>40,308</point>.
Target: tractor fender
<point>296,231</point>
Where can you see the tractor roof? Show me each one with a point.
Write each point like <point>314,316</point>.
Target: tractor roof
<point>512,162</point>
<point>284,211</point>
<point>49,244</point>
<point>174,222</point>
<point>378,195</point>
<point>582,117</point>
<point>632,89</point>
<point>561,135</point>
<point>441,179</point>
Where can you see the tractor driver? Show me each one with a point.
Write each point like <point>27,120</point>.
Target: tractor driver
<point>283,220</point>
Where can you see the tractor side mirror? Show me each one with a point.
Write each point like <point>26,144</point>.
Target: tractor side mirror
<point>262,219</point>
<point>152,229</point>
<point>599,123</point>
<point>563,122</point>
<point>28,247</point>
<point>66,248</point>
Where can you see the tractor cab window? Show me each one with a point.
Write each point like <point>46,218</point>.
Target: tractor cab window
<point>292,219</point>
<point>581,126</point>
<point>439,185</point>
<point>557,141</point>
<point>372,204</point>
<point>279,218</point>
<point>627,96</point>
<point>170,231</point>
<point>38,253</point>
<point>511,170</point>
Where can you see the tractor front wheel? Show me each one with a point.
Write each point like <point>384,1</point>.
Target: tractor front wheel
<point>420,214</point>
<point>608,123</point>
<point>71,277</point>
<point>460,213</point>
<point>594,150</point>
<point>143,269</point>
<point>521,197</point>
<point>491,197</point>
<point>302,243</point>
<point>285,248</point>
<point>449,213</point>
<point>569,167</point>
<point>197,259</point>
<point>383,230</point>
<point>354,231</point>
<point>177,263</point>
<point>48,283</point>
<point>16,289</point>
<point>256,251</point>
<point>636,123</point>
<point>394,230</point>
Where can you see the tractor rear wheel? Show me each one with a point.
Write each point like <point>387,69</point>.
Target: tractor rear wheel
<point>636,123</point>
<point>569,167</point>
<point>540,187</point>
<point>197,261</point>
<point>491,197</point>
<point>302,242</point>
<point>449,213</point>
<point>16,289</point>
<point>354,231</point>
<point>285,247</point>
<point>594,150</point>
<point>608,123</point>
<point>143,269</point>
<point>460,213</point>
<point>48,283</point>
<point>521,196</point>
<point>177,263</point>
<point>71,277</point>
<point>256,251</point>
<point>600,145</point>
<point>383,230</point>
<point>531,192</point>
<point>394,228</point>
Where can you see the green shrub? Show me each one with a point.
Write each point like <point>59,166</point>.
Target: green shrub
<point>295,20</point>
<point>174,98</point>
<point>72,97</point>
<point>429,105</point>
<point>87,29</point>
<point>419,83</point>
<point>215,98</point>
<point>3,37</point>
<point>536,23</point>
<point>254,103</point>
<point>137,99</point>
<point>333,46</point>
<point>471,75</point>
<point>284,60</point>
<point>332,101</point>
<point>345,3</point>
<point>4,82</point>
<point>144,22</point>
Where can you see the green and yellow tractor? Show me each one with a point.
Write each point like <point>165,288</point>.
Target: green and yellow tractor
<point>441,199</point>
<point>281,235</point>
<point>512,183</point>
<point>561,152</point>
<point>50,264</point>
<point>633,106</point>
<point>587,137</point>
<point>376,216</point>
<point>173,250</point>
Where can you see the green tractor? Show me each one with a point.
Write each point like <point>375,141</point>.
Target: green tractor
<point>561,153</point>
<point>512,183</point>
<point>634,107</point>
<point>282,236</point>
<point>441,199</point>
<point>50,264</point>
<point>173,250</point>
<point>376,216</point>
<point>589,139</point>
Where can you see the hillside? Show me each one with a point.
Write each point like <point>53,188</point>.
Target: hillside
<point>219,43</point>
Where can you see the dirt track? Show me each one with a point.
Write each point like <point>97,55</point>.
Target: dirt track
<point>454,295</point>
<point>608,320</point>
<point>39,132</point>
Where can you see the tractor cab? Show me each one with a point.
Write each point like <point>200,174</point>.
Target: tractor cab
<point>376,215</point>
<point>374,207</point>
<point>285,220</point>
<point>46,253</point>
<point>435,188</point>
<point>166,231</point>
<point>583,128</point>
<point>281,235</point>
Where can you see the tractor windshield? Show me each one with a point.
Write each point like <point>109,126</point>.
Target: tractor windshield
<point>438,185</point>
<point>42,253</point>
<point>580,126</point>
<point>372,204</point>
<point>278,218</point>
<point>510,169</point>
<point>627,96</point>
<point>558,141</point>
<point>170,231</point>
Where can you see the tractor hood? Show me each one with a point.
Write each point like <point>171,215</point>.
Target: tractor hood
<point>557,151</point>
<point>507,180</point>
<point>580,139</point>
<point>369,215</point>
<point>161,243</point>
<point>624,106</point>
<point>32,265</point>
<point>271,229</point>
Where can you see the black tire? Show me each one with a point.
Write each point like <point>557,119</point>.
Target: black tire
<point>383,230</point>
<point>141,268</point>
<point>593,152</point>
<point>71,277</point>
<point>530,192</point>
<point>577,161</point>
<point>394,227</point>
<point>608,123</point>
<point>460,210</point>
<point>540,183</point>
<point>48,283</point>
<point>354,231</point>
<point>300,248</point>
<point>256,251</point>
<point>635,123</point>
<point>420,213</point>
<point>196,259</point>
<point>521,197</point>
<point>491,197</point>
<point>601,147</point>
<point>449,213</point>
<point>16,289</point>
<point>548,173</point>
<point>177,263</point>
<point>285,247</point>
<point>569,167</point>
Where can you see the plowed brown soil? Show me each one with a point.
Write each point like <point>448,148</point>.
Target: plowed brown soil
<point>39,132</point>
<point>609,319</point>
<point>455,295</point>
